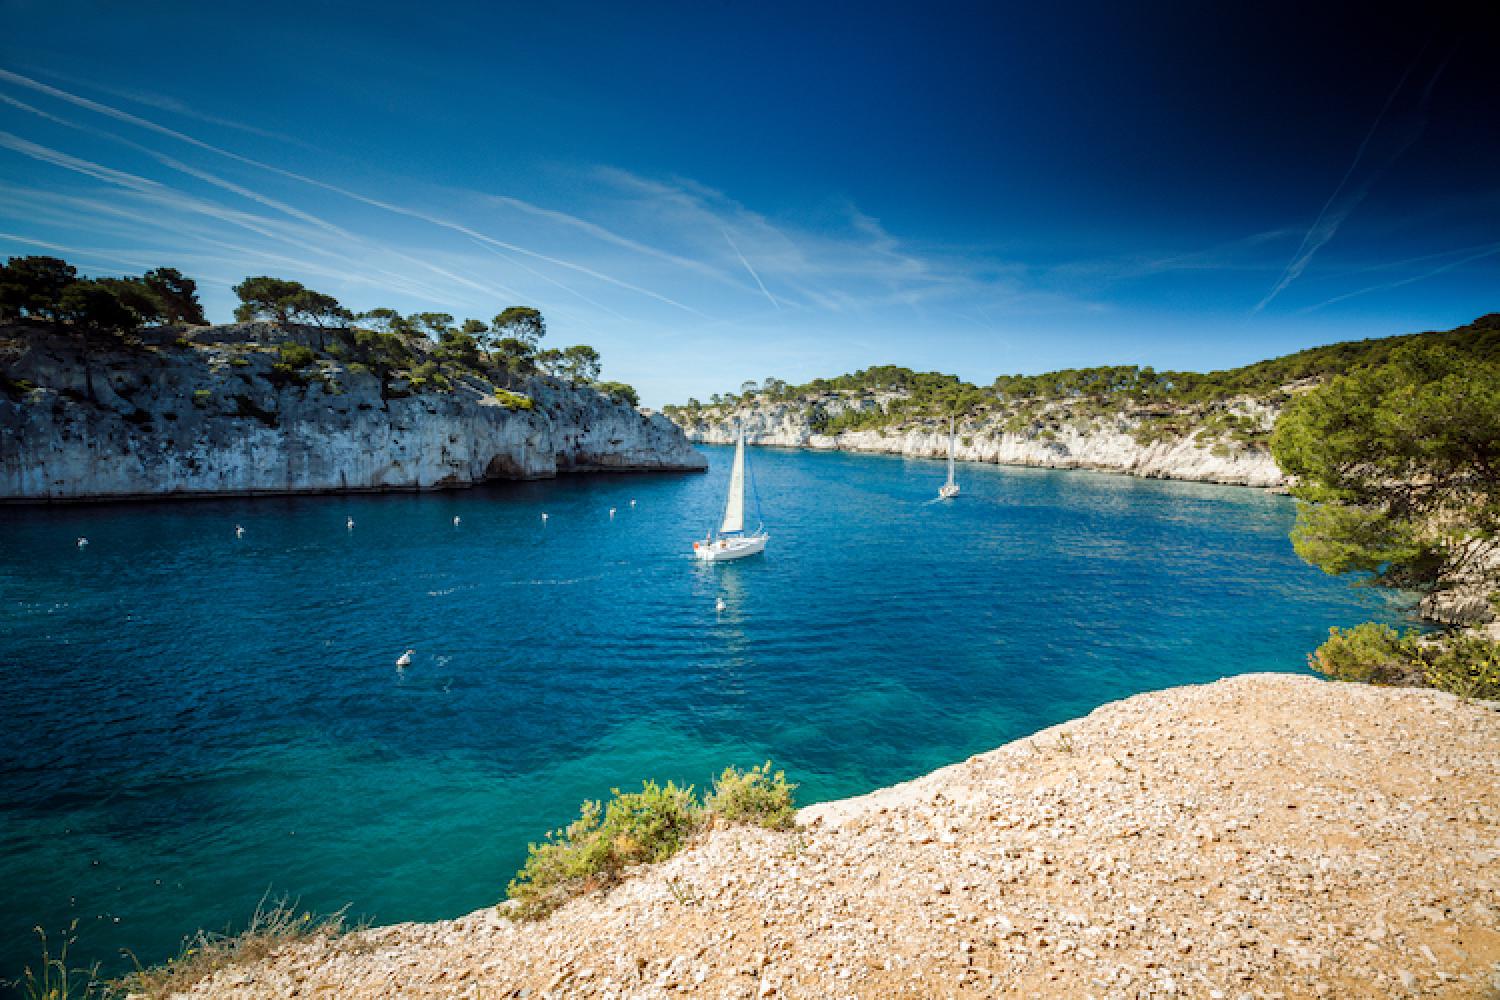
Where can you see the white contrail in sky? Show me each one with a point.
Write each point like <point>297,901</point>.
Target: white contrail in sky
<point>252,195</point>
<point>1331,218</point>
<point>168,197</point>
<point>125,116</point>
<point>741,256</point>
<point>610,236</point>
<point>1487,251</point>
<point>1322,231</point>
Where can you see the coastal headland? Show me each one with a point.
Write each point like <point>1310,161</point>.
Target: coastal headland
<point>257,408</point>
<point>1262,836</point>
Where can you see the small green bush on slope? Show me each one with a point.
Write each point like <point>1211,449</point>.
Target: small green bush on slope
<point>595,851</point>
<point>1465,665</point>
<point>755,797</point>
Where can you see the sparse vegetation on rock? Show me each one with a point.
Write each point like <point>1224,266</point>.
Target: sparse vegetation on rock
<point>595,851</point>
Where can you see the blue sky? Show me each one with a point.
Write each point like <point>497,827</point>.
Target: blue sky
<point>715,193</point>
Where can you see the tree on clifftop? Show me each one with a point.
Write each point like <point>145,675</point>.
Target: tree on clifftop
<point>284,302</point>
<point>32,287</point>
<point>176,296</point>
<point>523,323</point>
<point>580,363</point>
<point>1398,469</point>
<point>36,288</point>
<point>264,297</point>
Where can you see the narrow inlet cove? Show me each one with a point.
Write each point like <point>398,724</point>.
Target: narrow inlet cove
<point>194,717</point>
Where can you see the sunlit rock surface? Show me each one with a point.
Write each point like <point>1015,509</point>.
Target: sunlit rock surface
<point>211,417</point>
<point>1110,443</point>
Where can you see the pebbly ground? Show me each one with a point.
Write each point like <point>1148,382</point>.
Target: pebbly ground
<point>1266,836</point>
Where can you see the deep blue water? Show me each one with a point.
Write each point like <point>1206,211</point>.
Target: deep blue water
<point>191,718</point>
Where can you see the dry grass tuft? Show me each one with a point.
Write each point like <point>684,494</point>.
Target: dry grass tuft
<point>276,923</point>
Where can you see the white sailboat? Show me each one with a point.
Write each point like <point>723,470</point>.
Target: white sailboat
<point>731,541</point>
<point>949,490</point>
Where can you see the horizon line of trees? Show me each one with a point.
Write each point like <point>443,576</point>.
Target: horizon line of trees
<point>511,340</point>
<point>49,290</point>
<point>934,393</point>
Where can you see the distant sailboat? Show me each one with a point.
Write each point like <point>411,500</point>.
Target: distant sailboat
<point>949,490</point>
<point>731,541</point>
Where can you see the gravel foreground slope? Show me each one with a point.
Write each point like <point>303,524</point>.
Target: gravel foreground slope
<point>1266,836</point>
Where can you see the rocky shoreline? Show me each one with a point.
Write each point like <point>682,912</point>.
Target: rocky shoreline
<point>1055,440</point>
<point>216,412</point>
<point>1265,836</point>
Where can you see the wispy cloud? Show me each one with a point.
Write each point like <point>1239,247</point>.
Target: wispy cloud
<point>1480,253</point>
<point>431,219</point>
<point>1342,203</point>
<point>163,102</point>
<point>759,284</point>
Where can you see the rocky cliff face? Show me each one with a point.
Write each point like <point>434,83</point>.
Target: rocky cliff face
<point>1056,438</point>
<point>215,416</point>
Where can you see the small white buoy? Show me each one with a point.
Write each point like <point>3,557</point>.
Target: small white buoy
<point>544,518</point>
<point>239,531</point>
<point>456,520</point>
<point>611,512</point>
<point>404,660</point>
<point>349,524</point>
<point>720,604</point>
<point>632,503</point>
<point>82,541</point>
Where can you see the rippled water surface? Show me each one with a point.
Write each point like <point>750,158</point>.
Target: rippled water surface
<point>191,718</point>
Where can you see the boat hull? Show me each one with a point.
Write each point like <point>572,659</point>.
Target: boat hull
<point>947,492</point>
<point>725,549</point>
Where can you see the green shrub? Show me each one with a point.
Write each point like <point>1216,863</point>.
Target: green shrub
<point>1372,653</point>
<point>514,400</point>
<point>15,388</point>
<point>619,392</point>
<point>755,796</point>
<point>282,375</point>
<point>1466,665</point>
<point>240,362</point>
<point>297,356</point>
<point>426,372</point>
<point>1463,664</point>
<point>596,849</point>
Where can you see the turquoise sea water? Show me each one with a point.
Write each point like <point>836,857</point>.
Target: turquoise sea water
<point>191,718</point>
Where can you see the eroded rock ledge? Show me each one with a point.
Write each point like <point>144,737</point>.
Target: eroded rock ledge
<point>1056,438</point>
<point>1264,836</point>
<point>211,415</point>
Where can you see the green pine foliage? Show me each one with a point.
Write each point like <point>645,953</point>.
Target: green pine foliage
<point>1463,664</point>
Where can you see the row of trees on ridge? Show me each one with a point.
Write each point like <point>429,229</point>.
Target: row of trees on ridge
<point>49,290</point>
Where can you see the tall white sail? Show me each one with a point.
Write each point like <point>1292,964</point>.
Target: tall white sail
<point>734,507</point>
<point>950,452</point>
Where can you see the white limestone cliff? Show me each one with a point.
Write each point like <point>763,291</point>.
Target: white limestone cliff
<point>210,417</point>
<point>1109,443</point>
